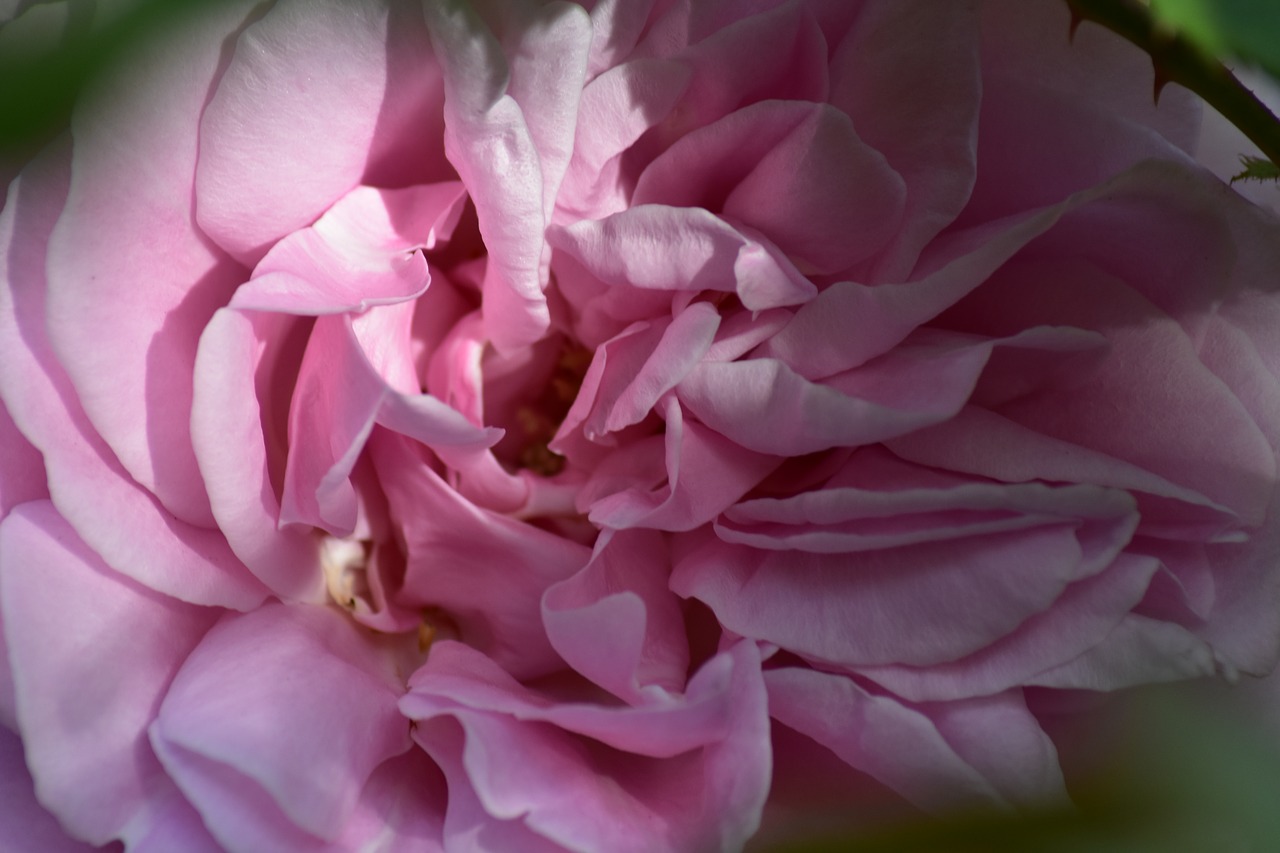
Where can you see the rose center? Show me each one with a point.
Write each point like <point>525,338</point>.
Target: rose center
<point>530,405</point>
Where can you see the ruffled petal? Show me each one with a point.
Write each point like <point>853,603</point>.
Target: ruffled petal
<point>22,475</point>
<point>705,475</point>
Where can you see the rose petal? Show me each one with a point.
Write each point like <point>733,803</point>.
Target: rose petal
<point>548,70</point>
<point>22,475</point>
<point>1138,650</point>
<point>835,520</point>
<point>1085,613</point>
<point>357,81</point>
<point>361,252</point>
<point>93,654</point>
<point>489,142</point>
<point>824,196</point>
<point>917,108</point>
<point>333,720</point>
<point>238,356</point>
<point>918,604</point>
<point>88,485</point>
<point>336,402</point>
<point>616,622</point>
<point>659,247</point>
<point>718,787</point>
<point>979,754</point>
<point>705,475</point>
<point>615,110</point>
<point>763,405</point>
<point>131,280</point>
<point>486,571</point>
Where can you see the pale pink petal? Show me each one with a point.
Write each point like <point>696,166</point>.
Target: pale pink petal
<point>22,475</point>
<point>616,622</point>
<point>742,331</point>
<point>1087,611</point>
<point>490,144</point>
<point>918,604</point>
<point>402,807</point>
<point>705,475</point>
<point>93,654</point>
<point>615,110</point>
<point>466,823</point>
<point>841,519</point>
<point>707,797</point>
<point>1244,625</point>
<point>702,167</point>
<point>765,406</point>
<point>361,252</point>
<point>614,364</point>
<point>629,373</point>
<point>788,50</point>
<point>1000,739</point>
<point>682,345</point>
<point>1023,125</point>
<point>1149,382</point>
<point>822,195</point>
<point>338,399</point>
<point>897,744</point>
<point>1139,650</point>
<point>548,70</point>
<point>985,753</point>
<point>238,358</point>
<point>178,827</point>
<point>131,281</point>
<point>616,26</point>
<point>487,571</point>
<point>668,248</point>
<point>356,81</point>
<point>306,723</point>
<point>986,444</point>
<point>24,823</point>
<point>918,108</point>
<point>88,485</point>
<point>8,702</point>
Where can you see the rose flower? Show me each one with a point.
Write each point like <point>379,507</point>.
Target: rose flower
<point>532,426</point>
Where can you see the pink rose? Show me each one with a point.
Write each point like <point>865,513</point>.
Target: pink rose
<point>524,426</point>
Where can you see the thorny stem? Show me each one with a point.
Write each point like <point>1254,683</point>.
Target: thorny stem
<point>1176,60</point>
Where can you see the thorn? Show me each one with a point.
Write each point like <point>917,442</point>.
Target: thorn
<point>1076,20</point>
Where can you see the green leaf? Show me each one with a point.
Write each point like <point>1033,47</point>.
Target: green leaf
<point>1247,29</point>
<point>1257,169</point>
